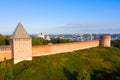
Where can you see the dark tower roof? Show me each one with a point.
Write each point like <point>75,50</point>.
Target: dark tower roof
<point>20,32</point>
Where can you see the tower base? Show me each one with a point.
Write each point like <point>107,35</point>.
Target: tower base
<point>19,60</point>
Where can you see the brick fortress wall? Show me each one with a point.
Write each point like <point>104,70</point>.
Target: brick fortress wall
<point>6,52</point>
<point>64,47</point>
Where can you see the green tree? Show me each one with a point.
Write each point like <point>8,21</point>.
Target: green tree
<point>58,40</point>
<point>37,41</point>
<point>116,43</point>
<point>4,40</point>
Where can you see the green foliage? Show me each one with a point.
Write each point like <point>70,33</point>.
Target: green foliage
<point>37,41</point>
<point>6,70</point>
<point>116,43</point>
<point>4,40</point>
<point>90,64</point>
<point>58,40</point>
<point>41,41</point>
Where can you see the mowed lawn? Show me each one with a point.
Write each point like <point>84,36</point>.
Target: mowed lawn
<point>89,64</point>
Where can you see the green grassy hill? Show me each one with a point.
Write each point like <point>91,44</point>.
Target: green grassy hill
<point>90,64</point>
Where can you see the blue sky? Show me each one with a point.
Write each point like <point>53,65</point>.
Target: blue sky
<point>60,16</point>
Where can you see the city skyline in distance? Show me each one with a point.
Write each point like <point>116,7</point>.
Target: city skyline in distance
<point>60,16</point>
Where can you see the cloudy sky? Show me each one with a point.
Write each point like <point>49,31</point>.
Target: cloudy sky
<point>60,16</point>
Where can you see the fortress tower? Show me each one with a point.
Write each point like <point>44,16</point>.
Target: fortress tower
<point>105,41</point>
<point>21,44</point>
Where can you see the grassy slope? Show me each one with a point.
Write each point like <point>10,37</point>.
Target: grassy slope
<point>95,64</point>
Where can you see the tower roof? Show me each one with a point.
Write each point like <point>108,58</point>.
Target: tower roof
<point>20,32</point>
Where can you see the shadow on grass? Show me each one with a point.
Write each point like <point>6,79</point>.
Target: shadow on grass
<point>69,75</point>
<point>106,75</point>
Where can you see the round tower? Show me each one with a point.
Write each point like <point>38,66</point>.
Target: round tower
<point>105,41</point>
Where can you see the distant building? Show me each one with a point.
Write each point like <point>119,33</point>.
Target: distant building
<point>47,37</point>
<point>91,37</point>
<point>41,35</point>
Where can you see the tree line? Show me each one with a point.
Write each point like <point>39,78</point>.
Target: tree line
<point>41,41</point>
<point>115,43</point>
<point>5,40</point>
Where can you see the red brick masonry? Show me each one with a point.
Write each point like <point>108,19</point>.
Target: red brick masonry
<point>5,52</point>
